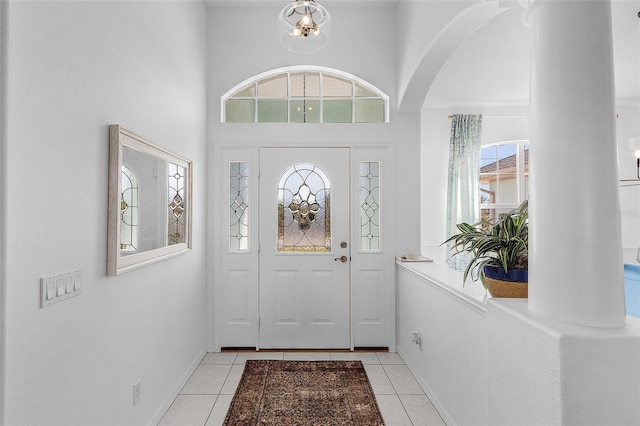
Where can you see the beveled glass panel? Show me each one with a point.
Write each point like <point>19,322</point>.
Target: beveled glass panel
<point>305,85</point>
<point>177,204</point>
<point>272,111</point>
<point>240,111</point>
<point>304,210</point>
<point>246,92</point>
<point>304,111</point>
<point>239,205</point>
<point>338,111</point>
<point>273,87</point>
<point>370,206</point>
<point>336,87</point>
<point>369,111</point>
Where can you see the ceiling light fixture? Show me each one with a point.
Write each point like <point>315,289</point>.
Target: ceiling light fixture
<point>304,26</point>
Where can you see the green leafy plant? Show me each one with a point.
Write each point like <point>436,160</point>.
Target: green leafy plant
<point>502,242</point>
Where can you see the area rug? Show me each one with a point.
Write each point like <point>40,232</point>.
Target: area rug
<point>309,393</point>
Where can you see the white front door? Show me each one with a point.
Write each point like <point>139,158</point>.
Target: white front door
<point>304,289</point>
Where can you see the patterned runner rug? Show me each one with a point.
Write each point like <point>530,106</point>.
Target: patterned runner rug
<point>309,393</point>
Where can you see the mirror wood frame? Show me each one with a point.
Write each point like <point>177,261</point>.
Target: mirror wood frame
<point>117,264</point>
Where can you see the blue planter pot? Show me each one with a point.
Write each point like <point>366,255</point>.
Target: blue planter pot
<point>514,275</point>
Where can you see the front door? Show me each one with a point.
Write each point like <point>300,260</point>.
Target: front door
<point>304,290</point>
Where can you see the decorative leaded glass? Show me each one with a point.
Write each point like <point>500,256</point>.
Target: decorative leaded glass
<point>370,206</point>
<point>238,206</point>
<point>304,210</point>
<point>176,203</point>
<point>128,212</point>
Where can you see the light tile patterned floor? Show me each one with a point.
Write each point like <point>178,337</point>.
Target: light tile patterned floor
<point>205,398</point>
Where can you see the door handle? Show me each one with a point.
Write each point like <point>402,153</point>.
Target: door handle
<point>342,258</point>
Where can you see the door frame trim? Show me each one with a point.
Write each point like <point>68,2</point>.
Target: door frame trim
<point>217,234</point>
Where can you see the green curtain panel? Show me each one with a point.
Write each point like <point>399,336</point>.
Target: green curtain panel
<point>463,191</point>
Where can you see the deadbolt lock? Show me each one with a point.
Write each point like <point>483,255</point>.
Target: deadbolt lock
<point>343,244</point>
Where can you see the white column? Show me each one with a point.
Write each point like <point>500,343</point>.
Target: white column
<point>576,267</point>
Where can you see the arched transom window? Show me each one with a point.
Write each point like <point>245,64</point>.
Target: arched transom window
<point>305,95</point>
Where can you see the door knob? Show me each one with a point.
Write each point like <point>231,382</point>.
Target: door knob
<point>342,258</point>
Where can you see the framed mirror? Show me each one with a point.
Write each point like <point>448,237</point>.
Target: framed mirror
<point>149,202</point>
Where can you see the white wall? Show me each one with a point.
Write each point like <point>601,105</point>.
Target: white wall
<point>451,361</point>
<point>73,68</point>
<point>420,24</point>
<point>4,12</point>
<point>236,55</point>
<point>546,372</point>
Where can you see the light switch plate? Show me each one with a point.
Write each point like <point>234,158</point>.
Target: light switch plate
<point>57,288</point>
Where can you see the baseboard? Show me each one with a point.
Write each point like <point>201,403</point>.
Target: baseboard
<point>177,388</point>
<point>238,349</point>
<point>254,349</point>
<point>446,417</point>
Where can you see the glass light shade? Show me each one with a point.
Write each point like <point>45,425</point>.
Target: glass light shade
<point>304,26</point>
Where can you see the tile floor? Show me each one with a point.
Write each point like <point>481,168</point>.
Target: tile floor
<point>205,398</point>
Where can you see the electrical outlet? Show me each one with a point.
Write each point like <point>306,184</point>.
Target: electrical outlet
<point>417,338</point>
<point>137,391</point>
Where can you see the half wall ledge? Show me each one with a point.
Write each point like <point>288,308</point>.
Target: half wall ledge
<point>543,371</point>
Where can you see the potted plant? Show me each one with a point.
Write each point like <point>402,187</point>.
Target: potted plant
<point>499,252</point>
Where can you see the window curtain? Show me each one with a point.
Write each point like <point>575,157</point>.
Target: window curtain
<point>463,192</point>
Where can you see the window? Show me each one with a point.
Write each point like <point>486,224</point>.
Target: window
<point>504,177</point>
<point>305,95</point>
